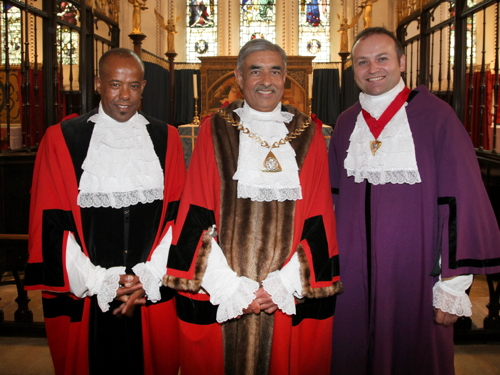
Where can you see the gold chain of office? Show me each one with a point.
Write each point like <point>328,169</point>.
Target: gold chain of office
<point>271,163</point>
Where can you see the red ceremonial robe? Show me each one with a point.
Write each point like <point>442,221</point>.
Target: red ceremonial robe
<point>55,213</point>
<point>257,238</point>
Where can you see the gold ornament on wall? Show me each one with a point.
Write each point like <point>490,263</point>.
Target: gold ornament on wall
<point>170,27</point>
<point>344,27</point>
<point>367,5</point>
<point>138,5</point>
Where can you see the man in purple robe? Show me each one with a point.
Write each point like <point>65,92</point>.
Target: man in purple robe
<point>414,221</point>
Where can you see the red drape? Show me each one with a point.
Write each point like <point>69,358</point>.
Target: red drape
<point>472,118</point>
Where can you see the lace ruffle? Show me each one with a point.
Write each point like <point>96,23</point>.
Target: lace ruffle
<point>233,306</point>
<point>109,286</point>
<point>150,283</point>
<point>119,199</point>
<point>260,194</point>
<point>457,303</point>
<point>395,162</point>
<point>121,166</point>
<point>279,293</point>
<point>384,177</point>
<point>253,183</point>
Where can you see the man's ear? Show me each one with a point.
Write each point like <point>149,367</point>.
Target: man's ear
<point>402,63</point>
<point>239,78</point>
<point>97,83</point>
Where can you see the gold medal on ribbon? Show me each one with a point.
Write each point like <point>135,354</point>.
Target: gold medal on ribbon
<point>374,146</point>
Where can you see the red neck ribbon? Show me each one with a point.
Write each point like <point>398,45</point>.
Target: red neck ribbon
<point>376,126</point>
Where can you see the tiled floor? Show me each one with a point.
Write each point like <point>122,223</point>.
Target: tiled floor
<point>30,356</point>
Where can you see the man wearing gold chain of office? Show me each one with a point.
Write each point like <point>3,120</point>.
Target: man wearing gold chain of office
<point>254,252</point>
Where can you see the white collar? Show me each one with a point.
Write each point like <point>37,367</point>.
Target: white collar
<point>395,161</point>
<point>253,183</point>
<point>375,105</point>
<point>121,167</point>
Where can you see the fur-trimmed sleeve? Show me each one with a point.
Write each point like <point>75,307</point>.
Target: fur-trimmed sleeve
<point>198,212</point>
<point>317,239</point>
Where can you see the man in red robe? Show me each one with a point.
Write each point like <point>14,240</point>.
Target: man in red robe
<point>254,250</point>
<point>105,193</point>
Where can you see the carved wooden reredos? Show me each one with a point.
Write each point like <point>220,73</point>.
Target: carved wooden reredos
<point>219,84</point>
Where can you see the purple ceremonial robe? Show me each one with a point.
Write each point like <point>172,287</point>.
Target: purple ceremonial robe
<point>390,238</point>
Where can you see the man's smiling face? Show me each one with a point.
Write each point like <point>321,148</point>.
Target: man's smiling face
<point>262,80</point>
<point>377,68</point>
<point>120,84</point>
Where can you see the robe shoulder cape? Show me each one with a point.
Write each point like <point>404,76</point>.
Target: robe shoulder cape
<point>391,238</point>
<point>54,213</point>
<point>257,238</point>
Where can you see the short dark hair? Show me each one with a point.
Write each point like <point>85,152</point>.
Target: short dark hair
<point>257,45</point>
<point>120,52</point>
<point>379,31</point>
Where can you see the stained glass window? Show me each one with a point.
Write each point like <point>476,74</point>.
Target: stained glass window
<point>314,29</point>
<point>201,34</point>
<point>14,34</point>
<point>67,45</point>
<point>68,40</point>
<point>257,20</point>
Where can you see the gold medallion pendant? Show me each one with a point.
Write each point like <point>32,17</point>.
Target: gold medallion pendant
<point>374,146</point>
<point>271,163</point>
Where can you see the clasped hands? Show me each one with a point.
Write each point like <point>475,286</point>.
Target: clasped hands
<point>262,302</point>
<point>131,294</point>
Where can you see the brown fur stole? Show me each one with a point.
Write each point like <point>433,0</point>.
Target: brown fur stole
<point>256,238</point>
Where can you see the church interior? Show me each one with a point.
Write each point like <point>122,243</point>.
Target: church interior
<point>49,56</point>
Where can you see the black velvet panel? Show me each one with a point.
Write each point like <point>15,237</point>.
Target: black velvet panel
<point>158,132</point>
<point>62,305</point>
<point>412,95</point>
<point>77,133</point>
<point>452,240</point>
<point>121,237</point>
<point>194,311</point>
<point>314,308</point>
<point>115,343</point>
<point>50,271</point>
<point>166,295</point>
<point>314,232</point>
<point>172,210</point>
<point>197,220</point>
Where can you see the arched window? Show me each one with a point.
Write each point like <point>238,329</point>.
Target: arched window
<point>314,29</point>
<point>201,34</point>
<point>257,20</point>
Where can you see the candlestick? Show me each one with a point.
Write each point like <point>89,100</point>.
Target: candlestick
<point>195,85</point>
<point>196,119</point>
<point>310,86</point>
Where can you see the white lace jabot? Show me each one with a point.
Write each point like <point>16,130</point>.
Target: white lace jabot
<point>395,160</point>
<point>252,182</point>
<point>121,168</point>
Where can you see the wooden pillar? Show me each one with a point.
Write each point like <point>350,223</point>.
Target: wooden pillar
<point>137,39</point>
<point>343,58</point>
<point>171,57</point>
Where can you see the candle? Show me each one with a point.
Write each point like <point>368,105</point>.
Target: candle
<point>310,86</point>
<point>195,85</point>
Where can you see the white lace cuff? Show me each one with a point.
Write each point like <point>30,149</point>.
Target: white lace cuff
<point>150,283</point>
<point>274,285</point>
<point>109,286</point>
<point>233,306</point>
<point>451,301</point>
